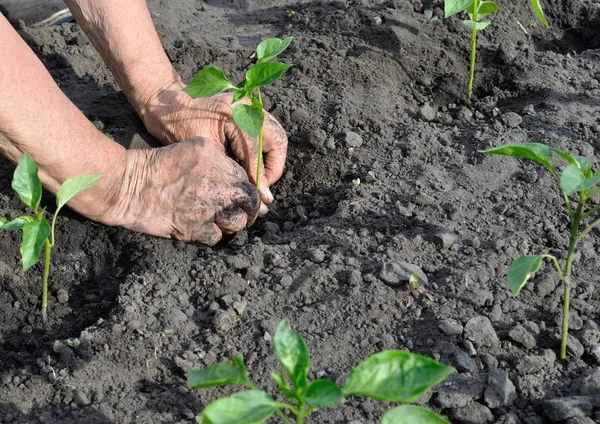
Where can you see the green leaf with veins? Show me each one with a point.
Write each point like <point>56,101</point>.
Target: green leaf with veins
<point>73,186</point>
<point>535,151</point>
<point>522,270</point>
<point>207,83</point>
<point>248,407</point>
<point>476,26</point>
<point>395,376</point>
<point>26,182</point>
<point>571,178</point>
<point>486,8</point>
<point>272,47</point>
<point>15,224</point>
<point>412,414</point>
<point>34,236</point>
<point>293,354</point>
<point>249,118</point>
<point>263,74</point>
<point>452,7</point>
<point>324,393</point>
<point>284,386</point>
<point>227,372</point>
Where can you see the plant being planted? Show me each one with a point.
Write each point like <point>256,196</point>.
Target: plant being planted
<point>391,376</point>
<point>576,178</point>
<point>37,231</point>
<point>478,10</point>
<point>249,117</point>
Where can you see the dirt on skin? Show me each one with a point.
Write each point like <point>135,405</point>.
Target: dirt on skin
<point>376,95</point>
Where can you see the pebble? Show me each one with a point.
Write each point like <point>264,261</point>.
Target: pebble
<point>223,321</point>
<point>62,296</point>
<point>589,384</point>
<point>464,363</point>
<point>500,390</point>
<point>480,331</point>
<point>580,420</point>
<point>465,115</point>
<point>444,239</point>
<point>80,398</point>
<point>523,336</point>
<point>233,283</point>
<point>286,281</point>
<point>252,273</point>
<point>574,347</point>
<point>561,409</point>
<point>512,119</point>
<point>240,306</point>
<point>88,52</point>
<point>450,327</point>
<point>426,112</point>
<point>531,364</point>
<point>317,256</point>
<point>353,140</point>
<point>394,273</point>
<point>317,138</point>
<point>473,413</point>
<point>459,389</point>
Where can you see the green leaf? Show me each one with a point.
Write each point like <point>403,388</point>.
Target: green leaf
<point>537,7</point>
<point>249,118</point>
<point>271,47</point>
<point>292,353</point>
<point>207,83</point>
<point>452,7</point>
<point>73,186</point>
<point>15,224</point>
<point>396,376</point>
<point>239,94</point>
<point>486,8</point>
<point>589,183</point>
<point>226,372</point>
<point>34,235</point>
<point>324,393</point>
<point>535,151</point>
<point>248,407</point>
<point>26,182</point>
<point>412,414</point>
<point>522,270</point>
<point>581,161</point>
<point>263,74</point>
<point>284,386</point>
<point>571,178</point>
<point>476,26</point>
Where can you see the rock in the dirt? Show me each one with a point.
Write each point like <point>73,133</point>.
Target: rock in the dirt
<point>317,256</point>
<point>353,140</point>
<point>317,138</point>
<point>480,331</point>
<point>233,284</point>
<point>523,336</point>
<point>80,398</point>
<point>464,363</point>
<point>500,390</point>
<point>395,273</point>
<point>580,420</point>
<point>444,239</point>
<point>460,389</point>
<point>426,112</point>
<point>472,413</point>
<point>223,321</point>
<point>465,114</point>
<point>533,363</point>
<point>564,408</point>
<point>574,347</point>
<point>511,119</point>
<point>589,385</point>
<point>62,296</point>
<point>450,327</point>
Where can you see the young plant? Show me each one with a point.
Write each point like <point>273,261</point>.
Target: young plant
<point>478,10</point>
<point>249,117</point>
<point>37,231</point>
<point>576,178</point>
<point>390,376</point>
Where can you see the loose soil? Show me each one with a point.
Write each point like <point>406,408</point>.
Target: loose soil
<point>376,95</point>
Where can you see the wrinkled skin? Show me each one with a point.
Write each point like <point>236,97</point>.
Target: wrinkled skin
<point>188,191</point>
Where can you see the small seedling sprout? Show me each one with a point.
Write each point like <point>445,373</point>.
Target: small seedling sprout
<point>478,10</point>
<point>576,178</point>
<point>37,231</point>
<point>249,117</point>
<point>388,376</point>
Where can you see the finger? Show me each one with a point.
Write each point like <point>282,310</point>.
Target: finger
<point>247,198</point>
<point>231,219</point>
<point>263,209</point>
<point>275,146</point>
<point>209,233</point>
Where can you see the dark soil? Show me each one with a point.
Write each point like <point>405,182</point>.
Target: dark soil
<point>377,95</point>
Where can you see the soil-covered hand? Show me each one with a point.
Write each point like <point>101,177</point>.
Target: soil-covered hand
<point>188,191</point>
<point>171,116</point>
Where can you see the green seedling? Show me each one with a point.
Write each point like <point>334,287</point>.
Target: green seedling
<point>249,117</point>
<point>389,376</point>
<point>478,10</point>
<point>37,231</point>
<point>576,178</point>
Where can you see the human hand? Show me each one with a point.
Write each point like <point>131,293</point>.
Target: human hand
<point>171,116</point>
<point>188,191</point>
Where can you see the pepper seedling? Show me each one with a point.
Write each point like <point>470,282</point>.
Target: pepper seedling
<point>37,231</point>
<point>478,10</point>
<point>389,376</point>
<point>577,177</point>
<point>249,117</point>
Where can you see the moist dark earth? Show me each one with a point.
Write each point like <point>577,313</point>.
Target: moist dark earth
<point>377,96</point>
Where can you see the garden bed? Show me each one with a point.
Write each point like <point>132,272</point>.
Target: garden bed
<point>376,95</point>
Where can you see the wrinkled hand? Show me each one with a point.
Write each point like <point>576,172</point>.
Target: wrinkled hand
<point>172,116</point>
<point>188,191</point>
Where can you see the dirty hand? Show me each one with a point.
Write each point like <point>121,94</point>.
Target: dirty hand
<point>171,116</point>
<point>188,191</point>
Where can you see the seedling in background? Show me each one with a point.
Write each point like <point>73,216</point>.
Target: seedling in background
<point>389,376</point>
<point>37,231</point>
<point>249,117</point>
<point>478,10</point>
<point>576,178</point>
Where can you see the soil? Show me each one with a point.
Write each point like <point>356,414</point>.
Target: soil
<point>376,95</point>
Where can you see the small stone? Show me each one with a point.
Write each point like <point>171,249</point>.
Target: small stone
<point>522,336</point>
<point>512,119</point>
<point>80,399</point>
<point>473,413</point>
<point>395,273</point>
<point>134,324</point>
<point>589,384</point>
<point>272,227</point>
<point>500,390</point>
<point>187,413</point>
<point>233,284</point>
<point>580,420</point>
<point>561,409</point>
<point>286,281</point>
<point>88,52</point>
<point>426,112</point>
<point>223,321</point>
<point>450,327</point>
<point>317,138</point>
<point>353,140</point>
<point>480,331</point>
<point>317,256</point>
<point>240,306</point>
<point>531,364</point>
<point>459,389</point>
<point>544,285</point>
<point>464,363</point>
<point>574,347</point>
<point>465,115</point>
<point>62,296</point>
<point>252,273</point>
<point>444,239</point>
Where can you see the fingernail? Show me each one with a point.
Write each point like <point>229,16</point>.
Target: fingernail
<point>267,194</point>
<point>263,209</point>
